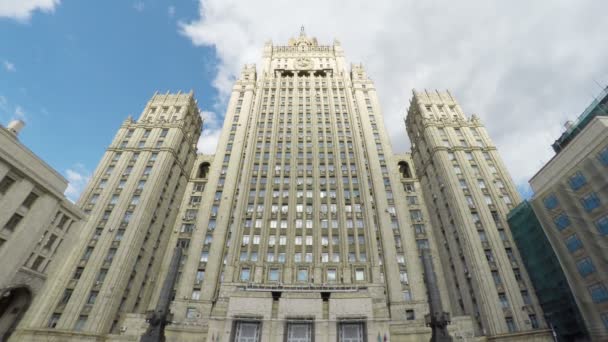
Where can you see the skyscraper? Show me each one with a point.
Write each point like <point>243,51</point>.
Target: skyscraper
<point>302,226</point>
<point>294,232</point>
<point>470,192</point>
<point>132,203</point>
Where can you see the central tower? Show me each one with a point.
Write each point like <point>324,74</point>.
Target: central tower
<point>296,232</point>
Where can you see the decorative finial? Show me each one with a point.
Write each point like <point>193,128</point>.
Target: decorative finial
<point>302,34</point>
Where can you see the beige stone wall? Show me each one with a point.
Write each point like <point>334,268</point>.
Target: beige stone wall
<point>30,249</point>
<point>131,206</point>
<point>580,156</point>
<point>469,192</point>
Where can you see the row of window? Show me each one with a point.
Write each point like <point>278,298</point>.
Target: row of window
<point>300,257</point>
<point>251,331</point>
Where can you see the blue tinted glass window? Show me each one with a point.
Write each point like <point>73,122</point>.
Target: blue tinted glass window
<point>590,202</point>
<point>598,293</point>
<point>562,221</point>
<point>603,156</point>
<point>605,319</point>
<point>602,225</point>
<point>550,202</point>
<point>585,267</point>
<point>573,243</point>
<point>577,181</point>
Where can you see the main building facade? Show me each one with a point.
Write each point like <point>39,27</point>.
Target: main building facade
<point>303,226</point>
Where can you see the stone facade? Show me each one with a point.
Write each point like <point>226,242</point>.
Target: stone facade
<point>303,223</point>
<point>35,220</point>
<point>469,193</point>
<point>132,201</point>
<point>570,202</point>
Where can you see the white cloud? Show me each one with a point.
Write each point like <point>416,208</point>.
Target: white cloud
<point>20,113</point>
<point>78,177</point>
<point>22,10</point>
<point>210,119</point>
<point>139,6</point>
<point>207,143</point>
<point>8,66</point>
<point>171,11</point>
<point>3,109</point>
<point>508,62</point>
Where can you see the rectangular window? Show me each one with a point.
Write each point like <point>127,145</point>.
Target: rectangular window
<point>603,156</point>
<point>416,215</point>
<point>562,221</point>
<point>245,272</point>
<point>585,266</point>
<point>605,319</point>
<point>303,275</point>
<point>526,297</point>
<point>273,274</point>
<point>29,200</point>
<point>331,275</point>
<point>577,181</point>
<point>37,263</point>
<point>299,332</point>
<point>511,324</point>
<point>590,201</point>
<point>92,297</point>
<point>13,222</point>
<point>602,225</point>
<point>247,331</point>
<point>351,332</point>
<point>598,292</point>
<point>573,243</point>
<point>550,202</point>
<point>5,184</point>
<point>191,313</point>
<point>504,302</point>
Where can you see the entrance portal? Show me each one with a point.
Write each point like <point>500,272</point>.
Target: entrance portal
<point>13,304</point>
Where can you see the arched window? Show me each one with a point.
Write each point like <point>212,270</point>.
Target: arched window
<point>404,169</point>
<point>13,304</point>
<point>203,170</point>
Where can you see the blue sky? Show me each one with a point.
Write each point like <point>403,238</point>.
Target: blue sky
<point>75,74</point>
<point>75,69</point>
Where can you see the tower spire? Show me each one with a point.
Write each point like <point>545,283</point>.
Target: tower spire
<point>302,33</point>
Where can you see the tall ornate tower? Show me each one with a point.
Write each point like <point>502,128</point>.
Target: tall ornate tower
<point>296,231</point>
<point>470,193</point>
<point>132,202</point>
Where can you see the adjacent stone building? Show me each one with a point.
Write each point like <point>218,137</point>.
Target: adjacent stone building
<point>552,288</point>
<point>571,203</point>
<point>35,220</point>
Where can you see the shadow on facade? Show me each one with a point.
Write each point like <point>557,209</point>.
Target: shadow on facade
<point>14,302</point>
